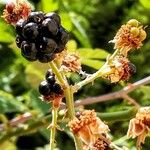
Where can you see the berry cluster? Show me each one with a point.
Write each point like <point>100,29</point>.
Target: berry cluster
<point>41,36</point>
<point>49,88</point>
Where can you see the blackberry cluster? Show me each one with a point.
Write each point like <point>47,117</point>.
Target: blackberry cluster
<point>49,87</point>
<point>41,36</point>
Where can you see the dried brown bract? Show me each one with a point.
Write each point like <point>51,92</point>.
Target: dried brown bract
<point>71,63</point>
<point>130,36</point>
<point>119,69</point>
<point>91,130</point>
<point>140,126</point>
<point>16,11</point>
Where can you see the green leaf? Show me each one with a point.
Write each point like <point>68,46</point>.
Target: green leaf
<point>37,103</point>
<point>71,46</point>
<point>5,36</point>
<point>93,54</point>
<point>96,64</point>
<point>9,104</point>
<point>49,5</point>
<point>145,3</point>
<point>66,21</point>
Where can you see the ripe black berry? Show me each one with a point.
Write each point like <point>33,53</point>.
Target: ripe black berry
<point>63,36</point>
<point>45,58</point>
<point>19,26</point>
<point>44,88</point>
<point>30,30</point>
<point>56,88</point>
<point>36,17</point>
<point>19,40</point>
<point>46,45</point>
<point>49,73</point>
<point>54,16</point>
<point>28,50</point>
<point>49,27</point>
<point>51,80</point>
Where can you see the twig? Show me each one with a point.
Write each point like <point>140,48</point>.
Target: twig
<point>113,95</point>
<point>45,121</point>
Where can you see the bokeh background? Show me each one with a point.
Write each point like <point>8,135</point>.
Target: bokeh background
<point>91,24</point>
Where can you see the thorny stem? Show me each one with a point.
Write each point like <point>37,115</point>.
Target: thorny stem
<point>97,74</point>
<point>53,127</point>
<point>69,100</point>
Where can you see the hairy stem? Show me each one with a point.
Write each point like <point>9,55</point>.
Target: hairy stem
<point>102,71</point>
<point>69,99</point>
<point>53,127</point>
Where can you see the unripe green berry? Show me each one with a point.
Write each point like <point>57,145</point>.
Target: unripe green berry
<point>142,35</point>
<point>135,31</point>
<point>133,23</point>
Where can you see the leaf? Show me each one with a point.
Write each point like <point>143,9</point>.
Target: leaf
<point>96,64</point>
<point>9,104</point>
<point>145,3</point>
<point>93,53</point>
<point>37,103</point>
<point>71,46</point>
<point>66,21</point>
<point>5,36</point>
<point>49,5</point>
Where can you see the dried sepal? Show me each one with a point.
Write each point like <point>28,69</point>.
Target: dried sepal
<point>71,63</point>
<point>140,126</point>
<point>120,69</point>
<point>91,130</point>
<point>129,36</point>
<point>15,11</point>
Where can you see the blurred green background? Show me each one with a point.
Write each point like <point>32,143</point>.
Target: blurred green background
<point>91,24</point>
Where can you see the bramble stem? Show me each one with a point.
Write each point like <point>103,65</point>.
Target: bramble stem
<point>102,71</point>
<point>44,121</point>
<point>69,100</point>
<point>53,127</point>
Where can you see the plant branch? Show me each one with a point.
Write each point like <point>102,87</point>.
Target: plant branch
<point>114,95</point>
<point>69,99</point>
<point>53,127</point>
<point>102,71</point>
<point>44,122</point>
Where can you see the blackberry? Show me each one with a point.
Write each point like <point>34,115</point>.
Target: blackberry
<point>56,88</point>
<point>54,16</point>
<point>49,73</point>
<point>44,88</point>
<point>28,50</point>
<point>30,30</point>
<point>19,26</point>
<point>50,27</point>
<point>36,17</point>
<point>41,36</point>
<point>46,45</point>
<point>51,80</point>
<point>19,40</point>
<point>45,58</point>
<point>63,36</point>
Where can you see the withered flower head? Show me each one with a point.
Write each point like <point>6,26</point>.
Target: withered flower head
<point>16,11</point>
<point>91,130</point>
<point>129,36</point>
<point>71,63</point>
<point>140,126</point>
<point>120,69</point>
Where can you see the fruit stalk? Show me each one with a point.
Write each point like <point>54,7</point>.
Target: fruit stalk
<point>68,92</point>
<point>53,127</point>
